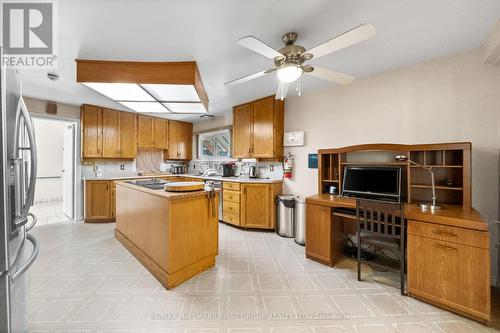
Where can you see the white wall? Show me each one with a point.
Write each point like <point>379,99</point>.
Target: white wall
<point>453,98</point>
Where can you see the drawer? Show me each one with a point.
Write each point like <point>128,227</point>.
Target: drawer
<point>231,207</point>
<point>450,234</point>
<point>454,275</point>
<point>231,186</point>
<point>231,196</point>
<point>231,218</point>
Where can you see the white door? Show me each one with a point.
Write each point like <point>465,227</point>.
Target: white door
<point>69,171</point>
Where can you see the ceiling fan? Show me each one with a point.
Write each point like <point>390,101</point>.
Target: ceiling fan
<point>289,62</point>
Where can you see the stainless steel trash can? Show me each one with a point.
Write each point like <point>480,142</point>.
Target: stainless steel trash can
<point>285,218</point>
<point>300,220</point>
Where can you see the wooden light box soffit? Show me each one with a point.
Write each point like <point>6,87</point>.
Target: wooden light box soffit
<point>147,87</point>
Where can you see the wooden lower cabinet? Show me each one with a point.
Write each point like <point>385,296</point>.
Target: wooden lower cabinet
<point>453,275</point>
<point>319,233</point>
<point>250,205</point>
<point>98,203</point>
<point>256,206</point>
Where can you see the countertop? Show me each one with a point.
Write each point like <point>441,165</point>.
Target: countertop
<point>452,215</point>
<point>130,176</point>
<point>155,175</point>
<point>163,193</point>
<point>236,179</point>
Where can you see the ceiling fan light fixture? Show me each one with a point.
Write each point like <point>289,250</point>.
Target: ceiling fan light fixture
<point>289,73</point>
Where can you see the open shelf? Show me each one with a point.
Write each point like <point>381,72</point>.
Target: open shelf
<point>347,216</point>
<point>376,163</point>
<point>439,166</point>
<point>450,163</point>
<point>437,187</point>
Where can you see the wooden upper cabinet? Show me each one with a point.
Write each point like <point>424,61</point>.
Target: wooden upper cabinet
<point>145,132</point>
<point>242,130</point>
<point>255,208</point>
<point>160,133</point>
<point>258,129</point>
<point>110,133</point>
<point>113,134</point>
<point>173,132</point>
<point>91,117</point>
<point>128,135</point>
<point>185,141</point>
<point>180,140</point>
<point>263,128</point>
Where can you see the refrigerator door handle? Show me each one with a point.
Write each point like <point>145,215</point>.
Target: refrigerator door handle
<point>31,259</point>
<point>22,111</point>
<point>33,216</point>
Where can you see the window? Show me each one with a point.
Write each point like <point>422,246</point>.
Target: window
<point>214,144</point>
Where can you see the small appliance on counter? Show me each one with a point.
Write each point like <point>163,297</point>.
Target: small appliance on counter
<point>252,171</point>
<point>228,169</point>
<point>177,169</point>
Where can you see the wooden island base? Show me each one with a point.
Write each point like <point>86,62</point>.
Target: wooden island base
<point>174,235</point>
<point>169,281</point>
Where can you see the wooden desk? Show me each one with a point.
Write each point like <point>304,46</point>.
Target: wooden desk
<point>448,253</point>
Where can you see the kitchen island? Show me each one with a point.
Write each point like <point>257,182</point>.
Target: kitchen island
<point>173,234</point>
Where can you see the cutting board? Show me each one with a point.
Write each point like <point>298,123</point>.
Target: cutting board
<point>184,186</point>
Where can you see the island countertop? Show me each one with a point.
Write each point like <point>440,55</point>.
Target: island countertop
<point>163,193</point>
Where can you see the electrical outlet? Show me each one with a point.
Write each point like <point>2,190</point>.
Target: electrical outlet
<point>271,168</point>
<point>122,167</point>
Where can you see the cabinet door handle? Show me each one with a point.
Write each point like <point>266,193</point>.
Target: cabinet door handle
<point>444,233</point>
<point>444,247</point>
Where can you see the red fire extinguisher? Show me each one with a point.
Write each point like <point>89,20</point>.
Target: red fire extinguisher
<point>288,165</point>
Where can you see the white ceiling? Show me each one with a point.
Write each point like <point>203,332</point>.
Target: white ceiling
<point>408,31</point>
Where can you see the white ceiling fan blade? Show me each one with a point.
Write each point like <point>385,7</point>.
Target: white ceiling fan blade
<point>348,38</point>
<point>282,90</point>
<point>328,74</point>
<point>247,78</point>
<point>258,46</point>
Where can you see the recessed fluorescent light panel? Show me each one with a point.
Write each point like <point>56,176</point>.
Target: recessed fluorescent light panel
<point>152,98</point>
<point>172,92</point>
<point>145,107</point>
<point>186,107</point>
<point>121,91</point>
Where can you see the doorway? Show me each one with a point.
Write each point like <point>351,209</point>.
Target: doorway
<point>55,194</point>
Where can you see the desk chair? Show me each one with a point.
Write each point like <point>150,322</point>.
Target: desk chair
<point>381,224</point>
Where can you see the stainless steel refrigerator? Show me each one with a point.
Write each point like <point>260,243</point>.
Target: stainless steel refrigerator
<point>18,248</point>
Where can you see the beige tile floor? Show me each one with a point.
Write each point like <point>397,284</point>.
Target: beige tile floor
<point>49,212</point>
<point>85,281</point>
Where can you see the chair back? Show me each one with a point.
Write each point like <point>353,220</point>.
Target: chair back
<point>383,218</point>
